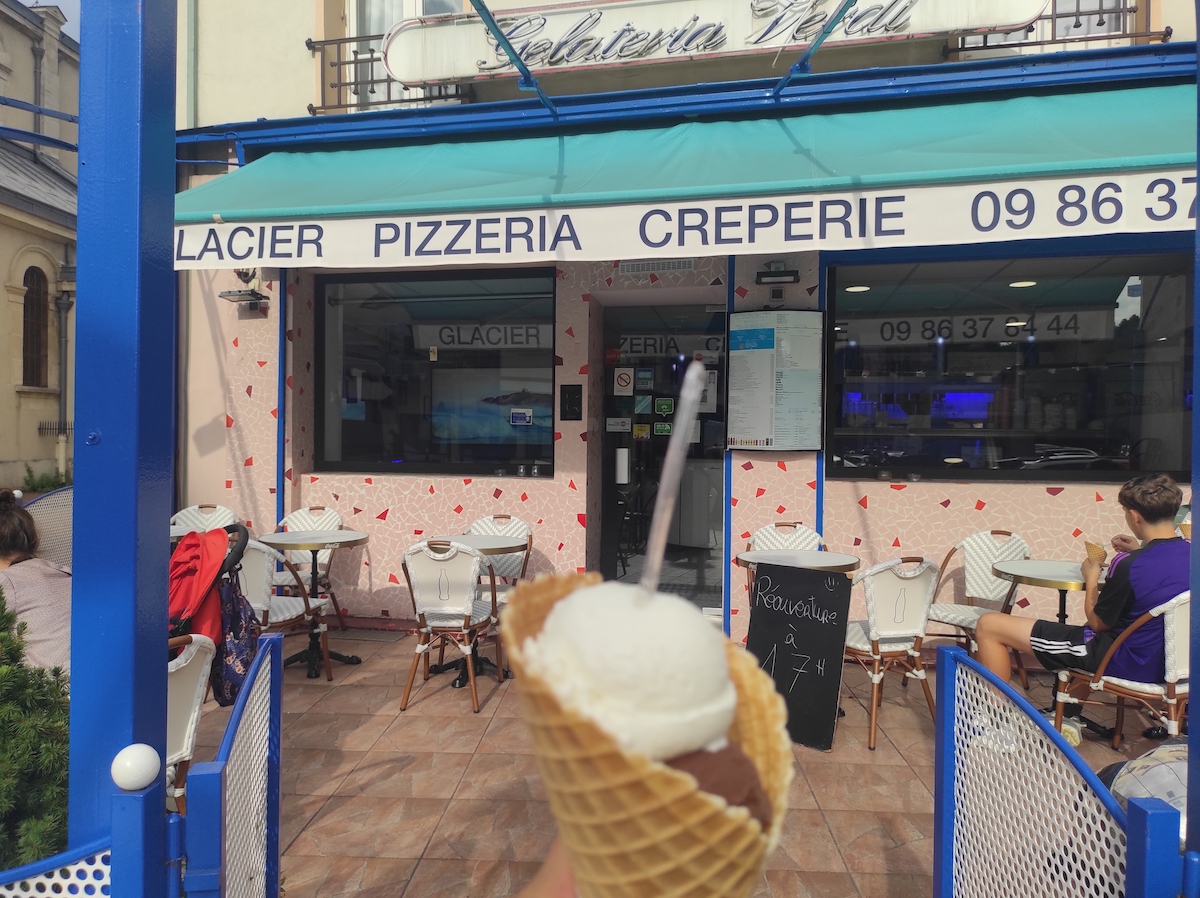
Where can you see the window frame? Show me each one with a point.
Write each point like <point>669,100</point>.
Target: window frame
<point>35,333</point>
<point>421,469</point>
<point>1173,242</point>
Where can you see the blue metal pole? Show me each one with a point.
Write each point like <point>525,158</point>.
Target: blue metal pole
<point>948,659</point>
<point>1192,842</point>
<point>124,405</point>
<point>281,398</point>
<point>727,556</point>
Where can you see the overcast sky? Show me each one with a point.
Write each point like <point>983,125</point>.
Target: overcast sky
<point>70,9</point>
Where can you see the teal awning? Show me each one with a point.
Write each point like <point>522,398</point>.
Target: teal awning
<point>1035,136</point>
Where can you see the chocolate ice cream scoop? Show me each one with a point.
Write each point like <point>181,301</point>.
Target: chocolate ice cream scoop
<point>729,773</point>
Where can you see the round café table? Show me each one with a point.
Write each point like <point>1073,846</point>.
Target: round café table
<point>315,541</point>
<point>1065,576</point>
<point>805,558</point>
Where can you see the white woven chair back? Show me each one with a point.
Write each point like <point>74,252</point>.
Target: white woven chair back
<point>204,517</point>
<point>982,550</point>
<point>187,678</point>
<point>785,537</point>
<point>52,515</point>
<point>506,566</point>
<point>445,579</point>
<point>898,600</point>
<point>1177,627</point>
<point>257,575</point>
<point>315,518</point>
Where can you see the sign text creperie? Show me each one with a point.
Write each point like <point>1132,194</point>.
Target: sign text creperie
<point>438,49</point>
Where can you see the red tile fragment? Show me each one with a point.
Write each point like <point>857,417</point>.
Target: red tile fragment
<point>733,501</point>
<point>863,501</point>
<point>1022,603</point>
<point>748,466</point>
<point>458,509</point>
<point>261,363</point>
<point>382,516</point>
<point>980,505</point>
<point>250,391</point>
<point>497,493</point>
<point>229,421</point>
<point>235,341</point>
<point>899,486</point>
<point>357,510</point>
<point>582,518</point>
<point>275,413</point>
<point>228,484</point>
<point>248,462</point>
<point>1054,490</point>
<point>857,541</point>
<point>571,485</point>
<point>583,369</point>
<point>1077,533</point>
<point>746,534</point>
<point>431,490</point>
<point>782,465</point>
<point>570,331</point>
<point>758,494</point>
<point>780,510</point>
<point>466,481</point>
<point>1099,498</point>
<point>945,503</point>
<point>524,497</point>
<point>741,291</point>
<point>312,479</point>
<point>896,543</point>
<point>812,484</point>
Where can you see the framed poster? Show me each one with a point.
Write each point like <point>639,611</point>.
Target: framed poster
<point>775,380</point>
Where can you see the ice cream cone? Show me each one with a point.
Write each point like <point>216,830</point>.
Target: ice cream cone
<point>636,828</point>
<point>1186,529</point>
<point>1095,551</point>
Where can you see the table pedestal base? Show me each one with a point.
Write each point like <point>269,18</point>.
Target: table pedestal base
<point>312,655</point>
<point>483,668</point>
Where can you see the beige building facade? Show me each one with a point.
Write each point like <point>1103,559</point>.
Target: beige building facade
<point>39,66</point>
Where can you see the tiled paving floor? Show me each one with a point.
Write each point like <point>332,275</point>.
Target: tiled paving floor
<point>438,802</point>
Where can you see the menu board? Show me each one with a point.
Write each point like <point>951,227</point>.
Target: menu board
<point>775,379</point>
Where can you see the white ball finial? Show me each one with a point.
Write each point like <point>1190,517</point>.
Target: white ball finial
<point>135,767</point>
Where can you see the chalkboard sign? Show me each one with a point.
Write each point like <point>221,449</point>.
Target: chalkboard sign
<point>798,633</point>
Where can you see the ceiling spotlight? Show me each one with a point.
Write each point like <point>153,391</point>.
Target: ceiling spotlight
<point>1017,324</point>
<point>859,289</point>
<point>1020,284</point>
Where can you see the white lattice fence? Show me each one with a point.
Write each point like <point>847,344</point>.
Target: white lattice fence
<point>83,872</point>
<point>246,797</point>
<point>1026,820</point>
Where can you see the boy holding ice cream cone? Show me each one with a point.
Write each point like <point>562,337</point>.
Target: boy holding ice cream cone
<point>1148,569</point>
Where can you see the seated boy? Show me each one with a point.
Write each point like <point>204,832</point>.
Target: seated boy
<point>1138,579</point>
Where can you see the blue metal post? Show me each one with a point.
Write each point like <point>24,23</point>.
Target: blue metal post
<point>273,643</point>
<point>1193,800</point>
<point>943,772</point>
<point>1153,865</point>
<point>281,398</point>
<point>139,841</point>
<point>123,411</point>
<point>727,583</point>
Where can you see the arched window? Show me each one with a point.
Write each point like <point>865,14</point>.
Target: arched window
<point>36,345</point>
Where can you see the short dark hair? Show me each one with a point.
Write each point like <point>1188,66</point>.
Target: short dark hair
<point>1156,497</point>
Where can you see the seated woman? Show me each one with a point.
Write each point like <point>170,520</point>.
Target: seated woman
<point>35,590</point>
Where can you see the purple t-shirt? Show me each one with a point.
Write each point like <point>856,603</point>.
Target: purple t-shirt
<point>1143,579</point>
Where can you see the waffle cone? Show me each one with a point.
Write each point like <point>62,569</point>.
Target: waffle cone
<point>1186,529</point>
<point>635,828</point>
<point>1095,551</point>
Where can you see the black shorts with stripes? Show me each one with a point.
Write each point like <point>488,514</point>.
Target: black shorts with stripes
<point>1058,646</point>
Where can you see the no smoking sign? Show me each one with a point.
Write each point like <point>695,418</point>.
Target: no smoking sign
<point>623,382</point>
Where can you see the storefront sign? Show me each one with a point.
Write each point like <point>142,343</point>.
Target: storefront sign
<point>570,36</point>
<point>661,429</point>
<point>686,345</point>
<point>641,431</point>
<point>935,215</point>
<point>484,336</point>
<point>622,381</point>
<point>643,378</point>
<point>618,425</point>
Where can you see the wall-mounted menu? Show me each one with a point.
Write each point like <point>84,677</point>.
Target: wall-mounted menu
<point>775,370</point>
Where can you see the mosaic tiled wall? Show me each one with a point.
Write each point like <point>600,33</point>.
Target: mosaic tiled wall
<point>873,519</point>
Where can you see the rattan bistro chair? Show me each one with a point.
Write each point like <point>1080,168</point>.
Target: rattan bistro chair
<point>510,567</point>
<point>983,591</point>
<point>890,638</point>
<point>187,681</point>
<point>314,517</point>
<point>1170,696</point>
<point>203,518</point>
<point>783,536</point>
<point>450,605</point>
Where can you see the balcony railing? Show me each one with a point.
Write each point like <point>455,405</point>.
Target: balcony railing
<point>1076,22</point>
<point>353,79</point>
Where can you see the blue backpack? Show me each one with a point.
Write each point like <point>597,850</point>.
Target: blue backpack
<point>240,630</point>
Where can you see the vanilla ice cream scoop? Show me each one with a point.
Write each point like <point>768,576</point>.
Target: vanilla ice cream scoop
<point>648,668</point>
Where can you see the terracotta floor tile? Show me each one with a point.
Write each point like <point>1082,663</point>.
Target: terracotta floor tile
<point>806,844</point>
<point>869,787</point>
<point>506,735</point>
<point>916,746</point>
<point>510,701</point>
<point>801,884</point>
<point>396,774</point>
<point>349,732</point>
<point>502,776</point>
<point>315,771</point>
<point>299,698</point>
<point>295,813</point>
<point>438,699</point>
<point>414,732</point>
<point>893,885</point>
<point>926,774</point>
<point>365,877</point>
<point>494,830</point>
<point>213,719</point>
<point>360,699</point>
<point>443,878</point>
<point>875,842</point>
<point>850,747</point>
<point>800,796</point>
<point>371,827</point>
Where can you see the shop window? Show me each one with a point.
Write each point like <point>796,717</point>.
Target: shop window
<point>1068,368</point>
<point>35,346</point>
<point>445,374</point>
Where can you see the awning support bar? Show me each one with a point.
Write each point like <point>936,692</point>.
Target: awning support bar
<point>801,65</point>
<point>527,81</point>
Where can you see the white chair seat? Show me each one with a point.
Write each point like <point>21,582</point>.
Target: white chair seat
<point>285,578</point>
<point>1155,689</point>
<point>287,607</point>
<point>955,615</point>
<point>858,637</point>
<point>481,610</point>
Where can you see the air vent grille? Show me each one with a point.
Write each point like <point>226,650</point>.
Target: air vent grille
<point>656,266</point>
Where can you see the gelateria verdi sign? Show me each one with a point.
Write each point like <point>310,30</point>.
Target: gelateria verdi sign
<point>940,215</point>
<point>459,48</point>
